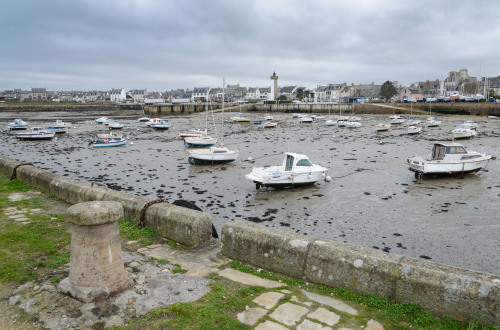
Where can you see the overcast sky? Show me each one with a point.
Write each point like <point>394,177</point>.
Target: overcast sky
<point>162,45</point>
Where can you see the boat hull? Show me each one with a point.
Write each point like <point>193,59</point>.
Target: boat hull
<point>269,178</point>
<point>48,136</point>
<point>108,144</point>
<point>421,166</point>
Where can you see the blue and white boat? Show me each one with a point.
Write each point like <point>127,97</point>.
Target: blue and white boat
<point>160,125</point>
<point>17,124</point>
<point>115,125</point>
<point>59,127</point>
<point>200,141</point>
<point>103,120</point>
<point>36,133</point>
<point>108,140</point>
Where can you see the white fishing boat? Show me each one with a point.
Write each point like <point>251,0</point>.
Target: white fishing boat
<point>330,122</point>
<point>341,123</point>
<point>412,130</point>
<point>144,119</point>
<point>108,140</point>
<point>352,124</point>
<point>383,127</point>
<point>17,125</point>
<point>413,122</point>
<point>59,124</point>
<point>268,117</point>
<point>200,141</point>
<point>214,154</point>
<point>160,125</point>
<point>448,158</point>
<point>397,121</point>
<point>115,125</point>
<point>296,170</point>
<point>463,132</point>
<point>153,121</point>
<point>36,133</point>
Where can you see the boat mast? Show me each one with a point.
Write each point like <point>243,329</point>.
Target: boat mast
<point>222,112</point>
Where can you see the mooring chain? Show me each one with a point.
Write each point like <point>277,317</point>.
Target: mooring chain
<point>143,211</point>
<point>14,172</point>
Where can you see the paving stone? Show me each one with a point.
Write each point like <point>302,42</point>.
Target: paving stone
<point>23,219</point>
<point>269,299</point>
<point>251,316</point>
<point>35,210</point>
<point>17,216</point>
<point>332,302</point>
<point>200,272</point>
<point>310,325</point>
<point>374,325</point>
<point>248,279</point>
<point>286,291</point>
<point>268,325</point>
<point>288,313</point>
<point>295,299</point>
<point>325,316</point>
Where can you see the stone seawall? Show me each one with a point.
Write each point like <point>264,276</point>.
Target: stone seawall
<point>182,225</point>
<point>443,290</point>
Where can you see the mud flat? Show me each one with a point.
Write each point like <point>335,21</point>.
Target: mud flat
<point>373,199</point>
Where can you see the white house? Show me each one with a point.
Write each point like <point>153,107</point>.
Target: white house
<point>118,95</point>
<point>200,94</point>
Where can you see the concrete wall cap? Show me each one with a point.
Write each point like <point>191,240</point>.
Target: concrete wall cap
<point>94,213</point>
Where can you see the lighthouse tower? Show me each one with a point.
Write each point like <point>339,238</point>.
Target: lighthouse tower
<point>274,91</point>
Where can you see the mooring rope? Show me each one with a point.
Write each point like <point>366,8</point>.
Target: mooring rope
<point>14,172</point>
<point>144,209</point>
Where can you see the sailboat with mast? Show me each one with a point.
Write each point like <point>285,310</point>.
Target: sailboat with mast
<point>214,154</point>
<point>431,121</point>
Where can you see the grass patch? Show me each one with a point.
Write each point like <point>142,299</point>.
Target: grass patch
<point>132,232</point>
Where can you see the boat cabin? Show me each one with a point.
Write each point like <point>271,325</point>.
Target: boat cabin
<point>292,159</point>
<point>441,149</point>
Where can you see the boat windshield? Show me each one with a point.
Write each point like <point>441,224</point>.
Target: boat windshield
<point>455,150</point>
<point>304,162</point>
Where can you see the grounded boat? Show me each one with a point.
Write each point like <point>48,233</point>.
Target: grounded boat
<point>212,155</point>
<point>397,121</point>
<point>411,130</point>
<point>103,120</point>
<point>36,133</point>
<point>296,170</point>
<point>108,140</point>
<point>341,123</point>
<point>433,123</point>
<point>269,125</point>
<point>383,127</point>
<point>268,117</point>
<point>59,127</point>
<point>153,121</point>
<point>200,141</point>
<point>160,125</point>
<point>471,124</point>
<point>240,118</point>
<point>330,122</point>
<point>191,133</point>
<point>17,124</point>
<point>463,132</point>
<point>448,158</point>
<point>352,124</point>
<point>413,121</point>
<point>115,125</point>
<point>143,119</point>
<point>305,119</point>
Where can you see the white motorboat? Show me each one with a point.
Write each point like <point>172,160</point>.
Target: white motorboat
<point>108,140</point>
<point>341,123</point>
<point>212,155</point>
<point>296,170</point>
<point>413,122</point>
<point>411,130</point>
<point>383,127</point>
<point>17,125</point>
<point>36,133</point>
<point>59,127</point>
<point>343,118</point>
<point>305,119</point>
<point>448,158</point>
<point>354,119</point>
<point>352,124</point>
<point>200,141</point>
<point>160,125</point>
<point>463,132</point>
<point>268,117</point>
<point>396,117</point>
<point>153,121</point>
<point>103,120</point>
<point>143,119</point>
<point>330,122</point>
<point>115,125</point>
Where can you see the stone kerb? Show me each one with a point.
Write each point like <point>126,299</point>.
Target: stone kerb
<point>187,227</point>
<point>96,261</point>
<point>359,269</point>
<point>445,290</point>
<point>279,251</point>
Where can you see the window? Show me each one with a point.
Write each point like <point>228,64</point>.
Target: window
<point>289,163</point>
<point>304,162</point>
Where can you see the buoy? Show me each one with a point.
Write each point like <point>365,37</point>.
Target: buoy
<point>131,143</point>
<point>250,159</point>
<point>328,178</point>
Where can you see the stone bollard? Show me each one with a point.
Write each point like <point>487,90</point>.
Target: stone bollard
<point>96,261</point>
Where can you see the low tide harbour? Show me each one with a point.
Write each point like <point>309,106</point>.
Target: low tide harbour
<point>373,200</point>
